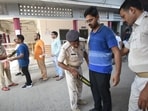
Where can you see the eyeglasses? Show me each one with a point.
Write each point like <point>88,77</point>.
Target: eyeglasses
<point>52,34</point>
<point>90,20</point>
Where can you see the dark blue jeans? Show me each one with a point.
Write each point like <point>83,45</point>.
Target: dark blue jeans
<point>100,87</point>
<point>27,75</point>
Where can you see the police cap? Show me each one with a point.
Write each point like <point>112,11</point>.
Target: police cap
<point>72,35</point>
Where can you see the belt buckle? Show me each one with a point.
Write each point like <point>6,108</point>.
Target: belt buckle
<point>142,74</point>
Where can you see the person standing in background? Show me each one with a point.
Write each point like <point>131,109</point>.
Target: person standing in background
<point>127,35</point>
<point>39,55</point>
<point>101,45</point>
<point>23,59</point>
<point>132,13</point>
<point>5,68</point>
<point>55,50</point>
<point>119,41</point>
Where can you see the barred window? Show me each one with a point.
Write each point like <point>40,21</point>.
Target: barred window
<point>44,11</point>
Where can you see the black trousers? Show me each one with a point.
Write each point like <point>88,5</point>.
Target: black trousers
<point>27,75</point>
<point>100,87</point>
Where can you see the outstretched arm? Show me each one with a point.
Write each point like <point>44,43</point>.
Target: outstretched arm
<point>17,57</point>
<point>10,55</point>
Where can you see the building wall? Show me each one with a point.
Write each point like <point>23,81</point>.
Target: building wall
<point>43,26</point>
<point>47,26</point>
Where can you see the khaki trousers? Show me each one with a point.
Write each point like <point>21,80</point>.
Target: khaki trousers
<point>74,88</point>
<point>42,67</point>
<point>4,75</point>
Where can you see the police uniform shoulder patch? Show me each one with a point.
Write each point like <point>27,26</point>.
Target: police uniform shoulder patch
<point>66,45</point>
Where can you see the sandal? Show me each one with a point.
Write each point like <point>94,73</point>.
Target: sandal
<point>13,84</point>
<point>5,88</point>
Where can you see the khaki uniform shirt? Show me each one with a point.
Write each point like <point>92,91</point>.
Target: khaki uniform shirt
<point>70,55</point>
<point>138,45</point>
<point>2,50</point>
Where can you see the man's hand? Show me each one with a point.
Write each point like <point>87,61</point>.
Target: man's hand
<point>115,79</point>
<point>143,99</point>
<point>10,59</point>
<point>43,55</point>
<point>74,72</point>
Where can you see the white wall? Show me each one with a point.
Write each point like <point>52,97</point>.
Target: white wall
<point>47,26</point>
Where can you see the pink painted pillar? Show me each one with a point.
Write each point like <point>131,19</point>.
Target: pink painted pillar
<point>109,24</point>
<point>8,37</point>
<point>4,37</point>
<point>75,24</point>
<point>17,27</point>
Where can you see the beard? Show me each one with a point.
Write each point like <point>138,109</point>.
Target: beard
<point>93,26</point>
<point>35,39</point>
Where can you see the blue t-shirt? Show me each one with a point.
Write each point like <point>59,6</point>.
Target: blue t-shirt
<point>100,54</point>
<point>23,49</point>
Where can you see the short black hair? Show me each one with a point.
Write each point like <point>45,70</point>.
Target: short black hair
<point>127,30</point>
<point>1,35</point>
<point>91,11</point>
<point>55,33</point>
<point>21,37</point>
<point>131,3</point>
<point>38,34</point>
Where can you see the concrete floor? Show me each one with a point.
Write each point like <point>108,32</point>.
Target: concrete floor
<point>53,95</point>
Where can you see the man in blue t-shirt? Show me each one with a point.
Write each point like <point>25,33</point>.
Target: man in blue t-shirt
<point>102,44</point>
<point>23,59</point>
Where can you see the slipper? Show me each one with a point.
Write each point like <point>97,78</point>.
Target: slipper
<point>5,88</point>
<point>13,84</point>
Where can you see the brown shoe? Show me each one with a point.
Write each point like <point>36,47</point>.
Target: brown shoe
<point>13,84</point>
<point>59,78</point>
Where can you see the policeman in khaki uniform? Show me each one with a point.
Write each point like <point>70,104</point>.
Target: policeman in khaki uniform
<point>70,59</point>
<point>5,73</point>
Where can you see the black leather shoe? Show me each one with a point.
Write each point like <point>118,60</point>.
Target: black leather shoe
<point>19,73</point>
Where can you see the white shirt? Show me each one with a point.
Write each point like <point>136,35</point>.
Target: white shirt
<point>138,45</point>
<point>55,46</point>
<point>118,41</point>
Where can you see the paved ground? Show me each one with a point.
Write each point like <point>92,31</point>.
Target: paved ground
<point>53,96</point>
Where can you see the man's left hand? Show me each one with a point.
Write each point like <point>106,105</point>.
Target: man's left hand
<point>115,79</point>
